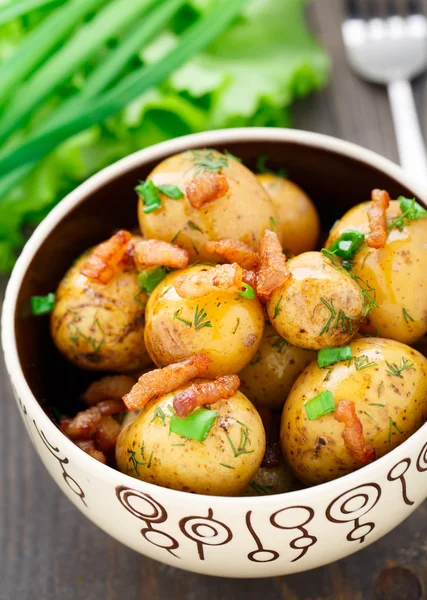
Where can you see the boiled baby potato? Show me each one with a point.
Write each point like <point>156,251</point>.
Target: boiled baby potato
<point>397,272</point>
<point>269,376</point>
<point>386,380</point>
<point>319,306</point>
<point>270,480</point>
<point>223,325</point>
<point>243,212</point>
<point>98,326</point>
<point>298,220</point>
<point>223,464</point>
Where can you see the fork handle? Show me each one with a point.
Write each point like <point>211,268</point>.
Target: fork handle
<point>410,143</point>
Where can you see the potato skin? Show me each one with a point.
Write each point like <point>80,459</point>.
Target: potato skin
<point>242,213</point>
<point>193,466</point>
<point>268,378</point>
<point>100,327</point>
<point>232,340</point>
<point>295,308</point>
<point>397,272</point>
<point>315,450</point>
<point>299,223</point>
<point>271,480</point>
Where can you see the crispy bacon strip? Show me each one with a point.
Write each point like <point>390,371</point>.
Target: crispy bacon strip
<point>128,260</point>
<point>234,251</point>
<point>221,277</point>
<point>106,435</point>
<point>199,394</point>
<point>273,270</point>
<point>162,381</point>
<point>353,432</point>
<point>89,447</point>
<point>377,219</point>
<point>102,261</point>
<point>83,425</point>
<point>206,187</point>
<point>112,387</point>
<point>250,278</point>
<point>151,253</point>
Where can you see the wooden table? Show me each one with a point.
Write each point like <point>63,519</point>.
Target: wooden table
<point>50,551</point>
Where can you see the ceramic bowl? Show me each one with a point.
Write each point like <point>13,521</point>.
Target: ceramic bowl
<point>235,537</point>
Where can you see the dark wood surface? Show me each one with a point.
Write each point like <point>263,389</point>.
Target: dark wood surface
<point>50,551</point>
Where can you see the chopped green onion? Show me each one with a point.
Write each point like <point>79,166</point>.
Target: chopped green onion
<point>196,426</point>
<point>42,305</point>
<point>417,211</point>
<point>193,225</point>
<point>150,196</point>
<point>347,244</point>
<point>248,292</point>
<point>320,405</point>
<point>273,224</point>
<point>150,278</point>
<point>171,191</point>
<point>330,356</point>
<point>17,9</point>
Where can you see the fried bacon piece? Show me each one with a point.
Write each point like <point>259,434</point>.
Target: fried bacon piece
<point>103,259</point>
<point>199,394</point>
<point>206,187</point>
<point>272,270</point>
<point>377,219</point>
<point>152,253</point>
<point>89,447</point>
<point>250,278</point>
<point>83,425</point>
<point>221,277</point>
<point>162,381</point>
<point>112,387</point>
<point>128,260</point>
<point>353,432</point>
<point>234,251</point>
<point>106,435</point>
<point>108,408</point>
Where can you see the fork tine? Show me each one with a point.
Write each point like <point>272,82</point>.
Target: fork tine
<point>352,9</point>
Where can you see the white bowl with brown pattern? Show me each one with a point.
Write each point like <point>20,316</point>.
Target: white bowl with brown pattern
<point>235,537</point>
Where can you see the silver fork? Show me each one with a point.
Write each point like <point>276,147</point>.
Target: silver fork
<point>392,50</point>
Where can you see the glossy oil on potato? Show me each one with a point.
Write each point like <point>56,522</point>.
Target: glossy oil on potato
<point>222,465</point>
<point>100,327</point>
<point>229,334</point>
<point>269,376</point>
<point>243,213</point>
<point>397,272</point>
<point>298,220</point>
<point>390,408</point>
<point>298,311</point>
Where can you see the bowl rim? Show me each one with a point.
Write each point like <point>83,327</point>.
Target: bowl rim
<point>77,196</point>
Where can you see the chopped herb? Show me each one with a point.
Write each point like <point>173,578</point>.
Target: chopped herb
<point>320,405</point>
<point>149,279</point>
<point>158,413</point>
<point>196,426</point>
<point>260,489</point>
<point>229,155</point>
<point>237,326</point>
<point>407,316</point>
<point>194,226</point>
<point>397,371</point>
<point>176,316</point>
<point>279,342</point>
<point>171,191</point>
<point>206,160</point>
<point>137,299</point>
<point>333,314</point>
<point>376,404</point>
<point>42,305</point>
<point>347,244</point>
<point>277,308</point>
<point>261,168</point>
<point>273,224</point>
<point>175,237</point>
<point>256,358</point>
<point>177,444</point>
<point>361,362</point>
<point>411,211</point>
<point>342,321</point>
<point>380,388</point>
<point>243,425</point>
<point>200,319</point>
<point>95,344</point>
<point>372,418</point>
<point>227,466</point>
<point>243,442</point>
<point>150,196</point>
<point>391,425</point>
<point>194,247</point>
<point>135,462</point>
<point>330,356</point>
<point>395,425</point>
<point>248,291</point>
